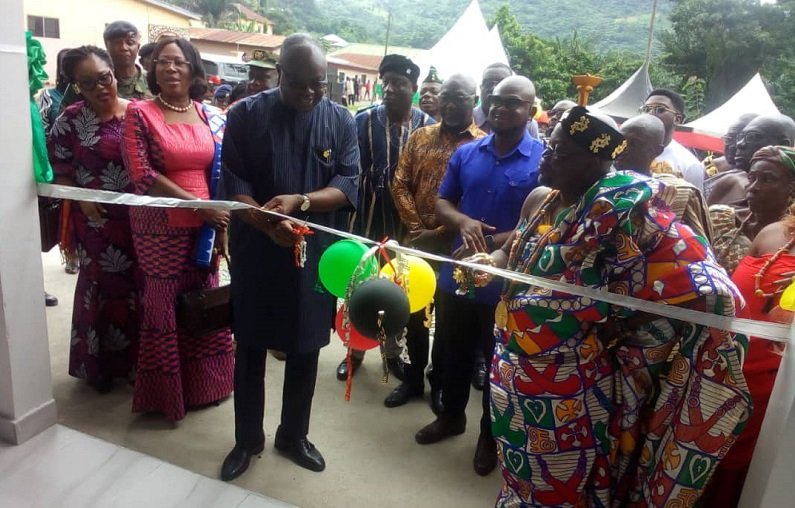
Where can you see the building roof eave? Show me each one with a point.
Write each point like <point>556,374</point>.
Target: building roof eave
<point>173,8</point>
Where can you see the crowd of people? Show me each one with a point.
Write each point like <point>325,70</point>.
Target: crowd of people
<point>583,403</point>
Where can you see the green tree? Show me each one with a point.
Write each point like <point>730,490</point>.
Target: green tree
<point>214,12</point>
<point>551,63</point>
<point>726,42</point>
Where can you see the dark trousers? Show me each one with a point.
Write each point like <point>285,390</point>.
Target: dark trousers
<point>466,327</point>
<point>300,374</point>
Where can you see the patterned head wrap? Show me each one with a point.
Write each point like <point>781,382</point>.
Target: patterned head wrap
<point>592,133</point>
<point>780,155</point>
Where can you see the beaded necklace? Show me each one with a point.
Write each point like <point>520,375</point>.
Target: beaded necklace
<point>533,227</point>
<point>761,273</point>
<point>172,107</point>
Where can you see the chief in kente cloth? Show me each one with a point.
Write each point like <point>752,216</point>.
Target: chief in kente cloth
<point>293,151</point>
<point>594,404</point>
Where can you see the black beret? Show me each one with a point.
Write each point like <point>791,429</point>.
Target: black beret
<point>119,29</point>
<point>593,134</point>
<point>399,64</point>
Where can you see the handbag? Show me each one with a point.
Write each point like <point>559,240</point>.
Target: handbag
<point>205,311</point>
<point>49,222</point>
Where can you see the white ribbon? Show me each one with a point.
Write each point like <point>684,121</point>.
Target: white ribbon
<point>771,331</point>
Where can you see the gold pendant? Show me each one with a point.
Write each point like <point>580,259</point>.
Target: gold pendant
<point>501,315</point>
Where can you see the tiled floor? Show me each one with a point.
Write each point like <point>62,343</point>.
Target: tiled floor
<point>371,456</point>
<point>68,469</point>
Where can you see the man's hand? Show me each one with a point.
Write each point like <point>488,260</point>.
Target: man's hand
<point>94,211</point>
<point>219,219</point>
<point>286,204</point>
<point>283,234</point>
<point>471,231</point>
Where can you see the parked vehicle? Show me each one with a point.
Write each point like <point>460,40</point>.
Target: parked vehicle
<point>224,70</point>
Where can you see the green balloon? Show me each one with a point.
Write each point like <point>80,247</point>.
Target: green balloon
<point>338,263</point>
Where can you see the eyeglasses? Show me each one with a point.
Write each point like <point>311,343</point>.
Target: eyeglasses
<point>752,137</point>
<point>458,100</point>
<point>316,86</point>
<point>89,84</point>
<point>497,101</point>
<point>656,109</point>
<point>178,64</point>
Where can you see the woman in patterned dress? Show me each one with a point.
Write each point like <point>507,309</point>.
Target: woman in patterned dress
<point>85,151</point>
<point>171,146</point>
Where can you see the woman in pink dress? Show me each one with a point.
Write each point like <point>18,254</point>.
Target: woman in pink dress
<point>171,147</point>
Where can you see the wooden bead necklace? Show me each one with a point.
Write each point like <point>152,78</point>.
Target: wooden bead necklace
<point>761,273</point>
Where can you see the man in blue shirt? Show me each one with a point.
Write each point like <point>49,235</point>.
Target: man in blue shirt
<point>481,198</point>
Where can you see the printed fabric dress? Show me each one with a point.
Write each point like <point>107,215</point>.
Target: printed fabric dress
<point>588,410</point>
<point>105,315</point>
<point>175,369</point>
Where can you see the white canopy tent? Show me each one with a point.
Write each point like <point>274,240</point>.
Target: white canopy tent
<point>467,48</point>
<point>624,101</point>
<point>752,98</point>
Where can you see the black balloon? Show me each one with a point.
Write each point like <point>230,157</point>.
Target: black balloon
<point>377,295</point>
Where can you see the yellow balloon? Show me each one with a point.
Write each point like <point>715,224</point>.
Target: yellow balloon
<point>788,298</point>
<point>421,282</point>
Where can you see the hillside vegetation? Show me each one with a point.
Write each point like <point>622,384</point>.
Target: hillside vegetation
<point>608,24</point>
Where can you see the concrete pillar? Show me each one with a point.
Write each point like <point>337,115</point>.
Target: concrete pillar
<point>26,403</point>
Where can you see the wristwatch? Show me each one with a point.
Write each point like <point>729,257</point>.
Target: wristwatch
<point>306,203</point>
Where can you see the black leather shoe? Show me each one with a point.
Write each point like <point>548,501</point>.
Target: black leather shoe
<point>237,461</point>
<point>342,368</point>
<point>443,427</point>
<point>436,401</point>
<point>302,452</point>
<point>397,367</point>
<point>480,375</point>
<point>50,300</point>
<point>402,394</point>
<point>485,455</point>
<point>104,384</point>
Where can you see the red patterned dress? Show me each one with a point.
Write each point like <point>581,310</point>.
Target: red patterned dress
<point>105,314</point>
<point>175,370</point>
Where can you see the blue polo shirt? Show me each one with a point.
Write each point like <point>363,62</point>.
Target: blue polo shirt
<point>490,189</point>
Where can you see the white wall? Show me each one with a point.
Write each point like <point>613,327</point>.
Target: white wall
<point>26,403</point>
<point>769,481</point>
